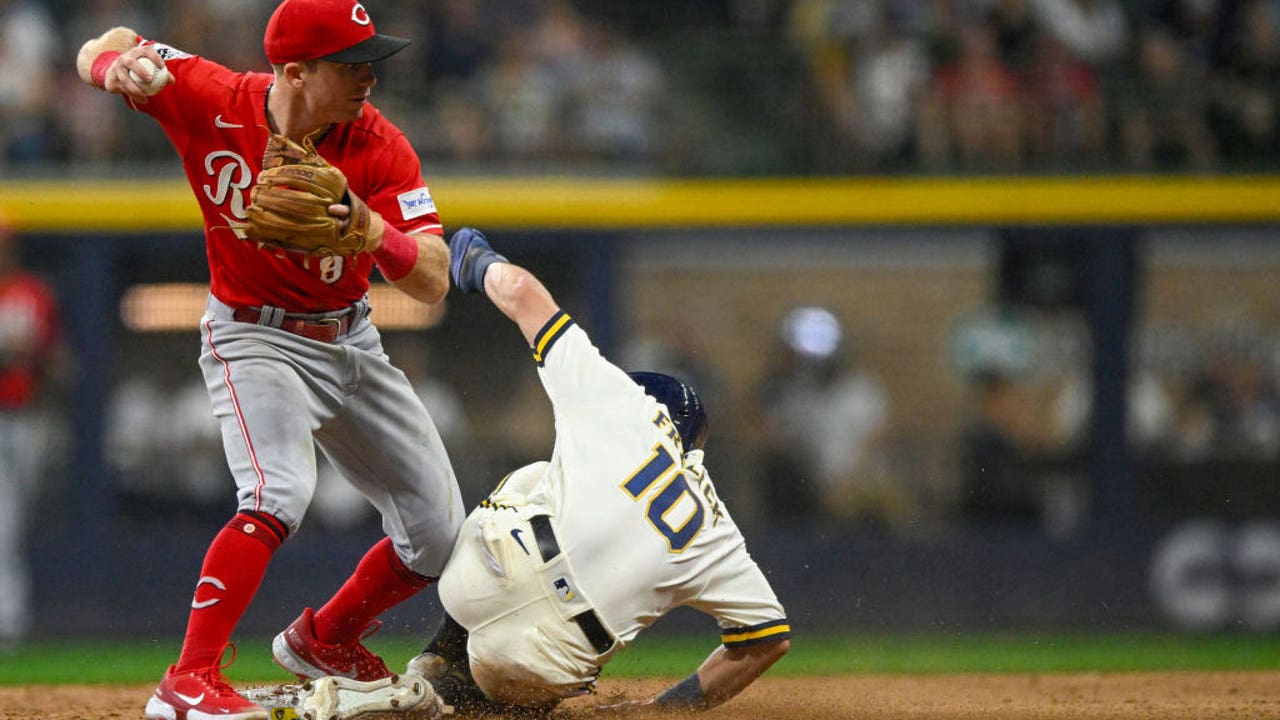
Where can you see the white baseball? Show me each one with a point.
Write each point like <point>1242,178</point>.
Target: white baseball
<point>159,77</point>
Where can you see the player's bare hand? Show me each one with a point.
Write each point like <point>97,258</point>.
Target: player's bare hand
<point>137,74</point>
<point>340,211</point>
<point>343,212</point>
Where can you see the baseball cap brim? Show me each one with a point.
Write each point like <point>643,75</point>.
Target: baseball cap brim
<point>372,49</point>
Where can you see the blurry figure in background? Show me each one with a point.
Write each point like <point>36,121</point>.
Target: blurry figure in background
<point>1240,397</point>
<point>824,422</point>
<point>28,61</point>
<point>164,445</point>
<point>189,23</point>
<point>524,99</point>
<point>133,414</point>
<point>868,73</point>
<point>1162,110</point>
<point>1150,411</point>
<point>970,118</point>
<point>999,483</point>
<point>459,42</point>
<point>1017,32</point>
<point>614,98</point>
<point>1150,423</point>
<point>1244,106</point>
<point>1198,26</point>
<point>30,341</point>
<point>95,133</point>
<point>1094,31</point>
<point>1066,123</point>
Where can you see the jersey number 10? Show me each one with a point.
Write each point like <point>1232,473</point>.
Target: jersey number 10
<point>660,466</point>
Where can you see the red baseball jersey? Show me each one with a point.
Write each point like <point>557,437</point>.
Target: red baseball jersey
<point>29,333</point>
<point>216,119</point>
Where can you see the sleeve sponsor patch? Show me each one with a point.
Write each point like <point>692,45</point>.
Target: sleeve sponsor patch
<point>168,52</point>
<point>416,203</point>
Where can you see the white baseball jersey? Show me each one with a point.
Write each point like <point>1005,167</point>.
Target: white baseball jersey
<point>638,521</point>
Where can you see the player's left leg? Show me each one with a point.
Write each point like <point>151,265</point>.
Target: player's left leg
<point>386,445</point>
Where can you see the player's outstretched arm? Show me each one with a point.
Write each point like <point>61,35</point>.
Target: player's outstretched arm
<point>475,266</point>
<point>725,673</point>
<point>105,62</point>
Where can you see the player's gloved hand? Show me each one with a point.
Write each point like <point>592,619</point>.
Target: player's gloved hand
<point>294,200</point>
<point>470,255</point>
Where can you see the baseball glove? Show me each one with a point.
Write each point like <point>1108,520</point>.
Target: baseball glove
<point>289,205</point>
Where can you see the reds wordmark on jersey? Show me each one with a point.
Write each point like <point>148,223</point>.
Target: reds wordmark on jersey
<point>216,119</point>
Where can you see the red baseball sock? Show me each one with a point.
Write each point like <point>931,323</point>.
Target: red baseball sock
<point>380,581</point>
<point>233,569</point>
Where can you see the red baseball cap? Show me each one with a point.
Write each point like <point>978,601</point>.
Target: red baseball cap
<point>339,31</point>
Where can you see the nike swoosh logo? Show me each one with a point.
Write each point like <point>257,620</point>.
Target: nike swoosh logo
<point>516,534</point>
<point>192,701</point>
<point>219,122</point>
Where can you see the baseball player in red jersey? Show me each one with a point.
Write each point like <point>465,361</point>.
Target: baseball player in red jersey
<point>289,355</point>
<point>30,337</point>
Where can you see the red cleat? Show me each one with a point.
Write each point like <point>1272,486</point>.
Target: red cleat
<point>201,694</point>
<point>299,651</point>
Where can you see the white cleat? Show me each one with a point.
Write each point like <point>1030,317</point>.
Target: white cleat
<point>339,698</point>
<point>427,665</point>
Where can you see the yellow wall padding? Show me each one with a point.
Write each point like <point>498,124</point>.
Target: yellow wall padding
<point>605,203</point>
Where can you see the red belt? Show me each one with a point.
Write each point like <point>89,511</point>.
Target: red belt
<point>321,329</point>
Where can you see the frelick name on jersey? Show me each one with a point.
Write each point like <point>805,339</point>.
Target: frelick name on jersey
<point>705,488</point>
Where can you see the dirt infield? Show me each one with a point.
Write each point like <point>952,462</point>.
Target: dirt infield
<point>1163,696</point>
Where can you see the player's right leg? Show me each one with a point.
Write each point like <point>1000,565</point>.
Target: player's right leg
<point>261,403</point>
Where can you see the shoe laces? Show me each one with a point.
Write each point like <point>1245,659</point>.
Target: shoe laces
<point>357,647</point>
<point>356,653</point>
<point>213,677</point>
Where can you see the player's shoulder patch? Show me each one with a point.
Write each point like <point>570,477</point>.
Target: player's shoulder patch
<point>169,52</point>
<point>416,203</point>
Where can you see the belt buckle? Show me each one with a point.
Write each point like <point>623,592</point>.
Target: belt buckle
<point>331,326</point>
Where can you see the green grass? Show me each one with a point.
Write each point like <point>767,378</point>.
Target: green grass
<point>76,662</point>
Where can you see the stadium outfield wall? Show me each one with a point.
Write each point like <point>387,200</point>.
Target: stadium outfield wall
<point>974,579</point>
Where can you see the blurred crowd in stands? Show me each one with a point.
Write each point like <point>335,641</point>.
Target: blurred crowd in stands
<point>725,86</point>
<point>755,87</point>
